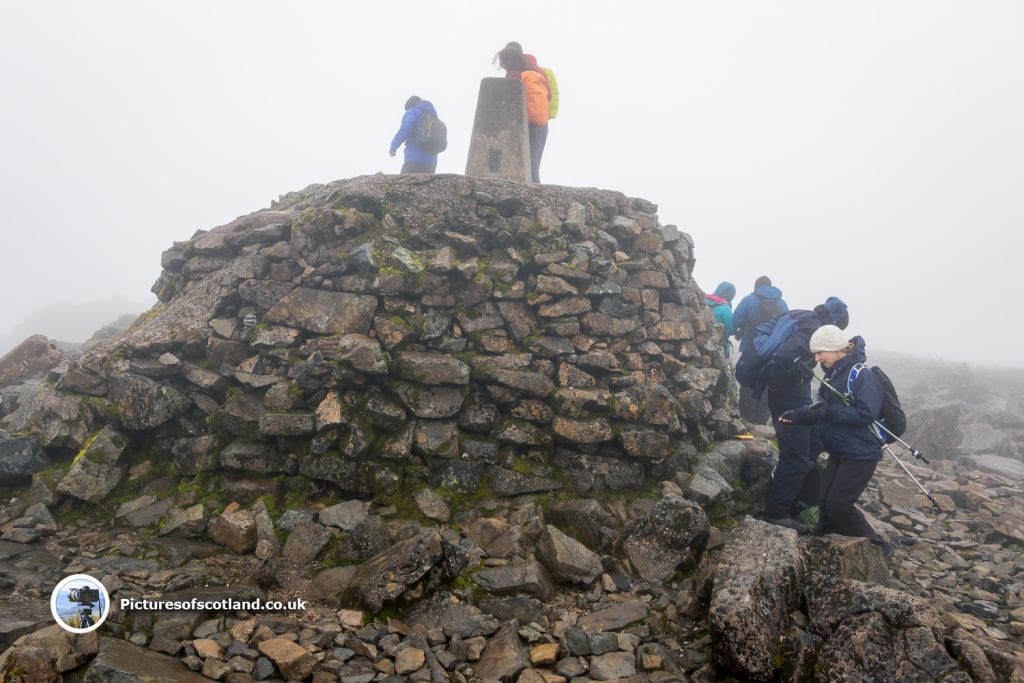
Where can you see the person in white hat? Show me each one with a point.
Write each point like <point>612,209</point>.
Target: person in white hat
<point>844,431</point>
<point>786,378</point>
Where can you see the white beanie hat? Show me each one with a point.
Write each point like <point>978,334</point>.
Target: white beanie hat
<point>828,338</point>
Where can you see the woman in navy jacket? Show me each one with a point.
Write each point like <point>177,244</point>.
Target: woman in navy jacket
<point>844,429</point>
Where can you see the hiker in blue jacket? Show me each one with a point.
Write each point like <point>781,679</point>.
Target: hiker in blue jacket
<point>844,431</point>
<point>787,378</point>
<point>720,303</point>
<point>417,160</point>
<point>762,305</point>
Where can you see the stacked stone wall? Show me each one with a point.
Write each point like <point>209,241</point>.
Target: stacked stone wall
<point>443,329</point>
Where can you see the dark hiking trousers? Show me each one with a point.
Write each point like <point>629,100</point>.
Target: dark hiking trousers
<point>754,411</point>
<point>795,461</point>
<point>844,481</point>
<point>538,138</point>
<point>412,167</point>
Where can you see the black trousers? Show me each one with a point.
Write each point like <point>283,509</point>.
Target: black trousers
<point>538,138</point>
<point>796,462</point>
<point>413,167</point>
<point>753,410</point>
<point>843,482</point>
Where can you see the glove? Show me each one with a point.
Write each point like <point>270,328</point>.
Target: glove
<point>812,414</point>
<point>804,371</point>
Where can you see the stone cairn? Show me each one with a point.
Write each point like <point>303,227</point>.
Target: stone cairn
<point>384,331</point>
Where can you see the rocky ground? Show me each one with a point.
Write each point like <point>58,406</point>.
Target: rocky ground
<point>531,589</point>
<point>486,431</point>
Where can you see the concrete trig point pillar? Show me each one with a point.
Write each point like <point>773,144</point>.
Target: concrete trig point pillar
<point>500,146</point>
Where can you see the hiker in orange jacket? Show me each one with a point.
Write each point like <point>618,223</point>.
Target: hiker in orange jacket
<point>538,95</point>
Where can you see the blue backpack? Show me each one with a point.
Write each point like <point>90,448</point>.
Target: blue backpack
<point>780,353</point>
<point>768,337</point>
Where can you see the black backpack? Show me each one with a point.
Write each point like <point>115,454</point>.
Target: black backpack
<point>891,416</point>
<point>431,135</point>
<point>770,308</point>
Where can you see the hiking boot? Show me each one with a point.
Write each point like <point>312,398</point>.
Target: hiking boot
<point>887,550</point>
<point>789,523</point>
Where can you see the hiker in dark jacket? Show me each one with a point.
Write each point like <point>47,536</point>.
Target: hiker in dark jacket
<point>417,160</point>
<point>787,378</point>
<point>720,303</point>
<point>762,305</point>
<point>844,431</point>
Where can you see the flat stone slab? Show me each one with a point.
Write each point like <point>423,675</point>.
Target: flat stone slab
<point>178,551</point>
<point>999,465</point>
<point>119,660</point>
<point>215,593</point>
<point>9,549</point>
<point>613,618</point>
<point>22,618</point>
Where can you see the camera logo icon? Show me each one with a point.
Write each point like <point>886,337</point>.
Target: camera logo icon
<point>79,603</point>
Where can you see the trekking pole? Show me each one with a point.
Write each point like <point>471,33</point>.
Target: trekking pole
<point>928,495</point>
<point>880,430</point>
<point>913,451</point>
<point>876,424</point>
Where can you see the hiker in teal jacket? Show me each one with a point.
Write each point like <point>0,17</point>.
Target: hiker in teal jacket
<point>720,303</point>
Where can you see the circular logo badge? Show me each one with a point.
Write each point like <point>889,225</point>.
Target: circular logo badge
<point>79,603</point>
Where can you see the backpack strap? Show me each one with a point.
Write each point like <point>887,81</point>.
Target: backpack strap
<point>851,379</point>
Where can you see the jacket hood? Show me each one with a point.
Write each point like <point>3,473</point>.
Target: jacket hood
<point>859,348</point>
<point>768,292</point>
<point>833,312</point>
<point>427,108</point>
<point>726,290</point>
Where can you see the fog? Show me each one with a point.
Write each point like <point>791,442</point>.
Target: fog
<point>872,151</point>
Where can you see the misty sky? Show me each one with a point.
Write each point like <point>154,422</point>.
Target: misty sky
<point>872,151</point>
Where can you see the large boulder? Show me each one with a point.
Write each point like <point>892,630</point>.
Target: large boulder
<point>875,633</point>
<point>120,660</point>
<point>935,430</point>
<point>236,530</point>
<point>504,657</point>
<point>672,535</point>
<point>65,650</point>
<point>388,575</point>
<point>53,418</point>
<point>30,357</point>
<point>566,558</point>
<point>756,586</point>
<point>324,312</point>
<point>143,403</point>
<point>97,470</point>
<point>20,458</point>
